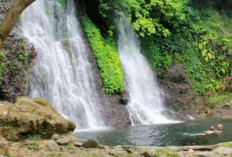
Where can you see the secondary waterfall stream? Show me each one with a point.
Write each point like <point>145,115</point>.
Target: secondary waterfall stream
<point>62,72</point>
<point>146,101</point>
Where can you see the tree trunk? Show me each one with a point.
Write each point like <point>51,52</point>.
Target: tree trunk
<point>12,17</point>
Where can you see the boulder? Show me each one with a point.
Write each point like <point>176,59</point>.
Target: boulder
<point>203,154</point>
<point>226,107</point>
<point>4,107</point>
<point>150,153</point>
<point>90,144</point>
<point>223,151</point>
<point>49,145</point>
<point>55,137</point>
<point>34,117</point>
<point>63,141</point>
<point>78,144</point>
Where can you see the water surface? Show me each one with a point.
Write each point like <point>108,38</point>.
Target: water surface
<point>163,135</point>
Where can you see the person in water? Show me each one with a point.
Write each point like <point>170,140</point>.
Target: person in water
<point>205,133</point>
<point>209,132</point>
<point>212,130</point>
<point>219,127</point>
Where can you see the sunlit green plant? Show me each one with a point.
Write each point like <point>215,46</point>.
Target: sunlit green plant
<point>108,61</point>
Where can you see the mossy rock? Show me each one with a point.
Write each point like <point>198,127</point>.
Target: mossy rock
<point>34,117</point>
<point>41,101</point>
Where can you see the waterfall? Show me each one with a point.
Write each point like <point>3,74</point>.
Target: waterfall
<point>62,72</point>
<point>146,99</point>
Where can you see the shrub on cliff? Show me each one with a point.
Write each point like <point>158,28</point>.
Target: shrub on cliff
<point>107,57</point>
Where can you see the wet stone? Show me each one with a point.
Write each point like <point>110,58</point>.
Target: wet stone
<point>90,144</point>
<point>63,141</point>
<point>78,144</point>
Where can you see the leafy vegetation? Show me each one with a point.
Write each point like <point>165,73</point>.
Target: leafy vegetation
<point>203,44</point>
<point>227,144</point>
<point>193,32</point>
<point>218,100</point>
<point>63,3</point>
<point>107,57</point>
<point>149,17</point>
<point>8,153</point>
<point>214,46</point>
<point>23,56</point>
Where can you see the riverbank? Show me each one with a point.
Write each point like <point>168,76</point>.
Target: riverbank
<point>33,128</point>
<point>69,146</point>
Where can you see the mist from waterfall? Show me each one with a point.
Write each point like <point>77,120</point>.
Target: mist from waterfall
<point>62,72</point>
<point>146,98</point>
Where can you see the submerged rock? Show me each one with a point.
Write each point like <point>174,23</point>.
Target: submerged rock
<point>29,117</point>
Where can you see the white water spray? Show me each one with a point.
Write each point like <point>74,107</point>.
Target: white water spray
<point>146,100</point>
<point>62,72</point>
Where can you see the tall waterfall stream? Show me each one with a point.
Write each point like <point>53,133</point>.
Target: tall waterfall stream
<point>146,101</point>
<point>62,72</point>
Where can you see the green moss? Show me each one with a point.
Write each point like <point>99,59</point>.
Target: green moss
<point>8,153</point>
<point>157,58</point>
<point>32,145</point>
<point>23,56</point>
<point>194,68</point>
<point>33,137</point>
<point>63,3</point>
<point>167,152</point>
<point>108,61</point>
<point>227,144</point>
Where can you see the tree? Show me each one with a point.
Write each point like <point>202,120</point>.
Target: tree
<point>12,17</point>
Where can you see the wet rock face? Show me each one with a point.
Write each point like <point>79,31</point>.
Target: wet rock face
<point>19,56</point>
<point>177,91</point>
<point>224,112</point>
<point>113,107</point>
<point>27,117</point>
<point>177,74</point>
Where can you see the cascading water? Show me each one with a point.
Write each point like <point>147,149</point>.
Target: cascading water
<point>62,72</point>
<point>146,101</point>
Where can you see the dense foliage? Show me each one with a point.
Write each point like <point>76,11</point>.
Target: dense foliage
<point>203,44</point>
<point>107,57</point>
<point>149,17</point>
<point>194,32</point>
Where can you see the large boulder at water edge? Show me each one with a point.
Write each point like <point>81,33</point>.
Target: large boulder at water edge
<point>33,117</point>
